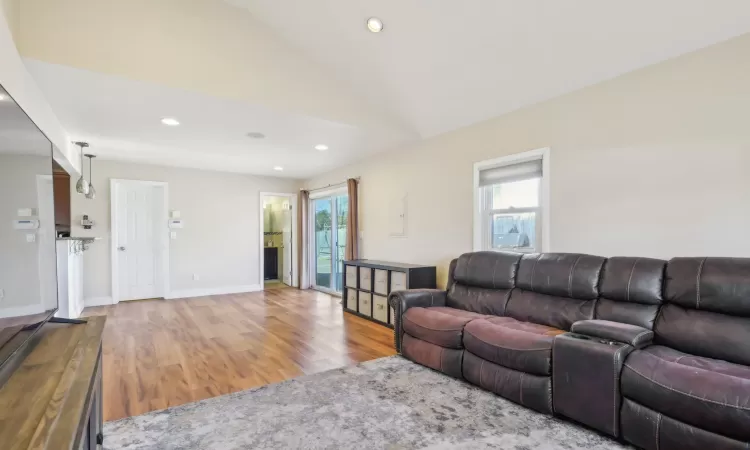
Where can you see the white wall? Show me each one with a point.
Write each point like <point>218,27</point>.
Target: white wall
<point>653,163</point>
<point>20,277</point>
<point>219,241</point>
<point>18,83</point>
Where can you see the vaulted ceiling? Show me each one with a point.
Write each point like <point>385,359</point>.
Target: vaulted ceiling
<point>308,72</point>
<point>444,64</point>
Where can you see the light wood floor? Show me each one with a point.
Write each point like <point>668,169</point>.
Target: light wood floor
<point>161,353</point>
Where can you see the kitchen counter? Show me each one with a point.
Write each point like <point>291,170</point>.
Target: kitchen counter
<point>76,238</point>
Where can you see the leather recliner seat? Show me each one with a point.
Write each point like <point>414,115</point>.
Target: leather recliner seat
<point>430,323</point>
<point>691,389</point>
<point>512,355</point>
<point>498,318</point>
<point>502,315</point>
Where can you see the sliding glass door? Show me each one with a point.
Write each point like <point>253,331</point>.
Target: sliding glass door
<point>329,231</point>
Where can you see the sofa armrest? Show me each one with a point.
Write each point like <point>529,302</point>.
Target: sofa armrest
<point>634,335</point>
<point>400,301</point>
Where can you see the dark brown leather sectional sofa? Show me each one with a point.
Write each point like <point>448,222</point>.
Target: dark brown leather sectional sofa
<point>652,352</point>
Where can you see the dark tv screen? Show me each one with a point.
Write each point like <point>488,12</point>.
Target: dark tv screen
<point>28,260</point>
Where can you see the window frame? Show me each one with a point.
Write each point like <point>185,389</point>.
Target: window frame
<point>488,213</point>
<point>482,239</point>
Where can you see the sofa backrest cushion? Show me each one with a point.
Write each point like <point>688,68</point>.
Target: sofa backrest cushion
<point>708,308</point>
<point>550,310</point>
<point>631,290</point>
<point>479,300</point>
<point>720,285</point>
<point>481,281</point>
<point>451,271</point>
<point>555,289</point>
<point>569,275</point>
<point>492,270</point>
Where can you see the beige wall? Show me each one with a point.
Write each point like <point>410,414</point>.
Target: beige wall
<point>17,81</point>
<point>21,268</point>
<point>11,9</point>
<point>220,238</point>
<point>653,163</point>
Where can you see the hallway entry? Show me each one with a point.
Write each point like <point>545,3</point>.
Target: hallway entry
<point>278,239</point>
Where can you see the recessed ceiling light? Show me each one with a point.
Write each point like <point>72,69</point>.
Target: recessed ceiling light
<point>3,97</point>
<point>170,121</point>
<point>321,147</point>
<point>256,135</point>
<point>374,24</point>
<point>278,168</point>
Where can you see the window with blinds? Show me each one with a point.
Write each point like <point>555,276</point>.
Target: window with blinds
<point>511,206</point>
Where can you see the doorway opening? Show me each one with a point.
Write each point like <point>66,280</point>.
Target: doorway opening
<point>277,255</point>
<point>328,212</point>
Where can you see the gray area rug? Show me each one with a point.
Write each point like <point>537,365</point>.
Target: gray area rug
<point>388,403</point>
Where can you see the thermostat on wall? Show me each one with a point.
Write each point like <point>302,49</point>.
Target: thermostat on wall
<point>26,224</point>
<point>175,223</point>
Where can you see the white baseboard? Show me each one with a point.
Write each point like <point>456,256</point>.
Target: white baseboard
<point>15,311</point>
<point>187,293</point>
<point>79,312</point>
<point>184,293</point>
<point>97,301</point>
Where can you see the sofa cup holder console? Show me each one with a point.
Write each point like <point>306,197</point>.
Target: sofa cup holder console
<point>588,393</point>
<point>583,337</point>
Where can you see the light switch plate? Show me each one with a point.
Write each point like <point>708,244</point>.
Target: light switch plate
<point>31,237</point>
<point>25,212</point>
<point>173,235</point>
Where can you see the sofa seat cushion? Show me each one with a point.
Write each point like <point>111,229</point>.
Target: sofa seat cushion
<point>522,346</point>
<point>707,393</point>
<point>446,360</point>
<point>458,312</point>
<point>438,325</point>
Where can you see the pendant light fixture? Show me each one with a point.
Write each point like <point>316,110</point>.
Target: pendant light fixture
<point>91,194</point>
<point>82,186</point>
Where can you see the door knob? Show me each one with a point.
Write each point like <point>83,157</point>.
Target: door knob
<point>122,249</point>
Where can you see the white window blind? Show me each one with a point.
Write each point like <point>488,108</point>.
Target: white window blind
<point>511,172</point>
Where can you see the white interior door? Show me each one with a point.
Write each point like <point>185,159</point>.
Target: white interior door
<point>139,214</point>
<point>286,257</point>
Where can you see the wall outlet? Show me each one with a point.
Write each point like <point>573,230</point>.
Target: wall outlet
<point>196,277</point>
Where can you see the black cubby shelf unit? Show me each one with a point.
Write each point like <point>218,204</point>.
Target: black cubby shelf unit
<point>367,284</point>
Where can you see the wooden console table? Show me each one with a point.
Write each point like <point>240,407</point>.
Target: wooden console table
<point>54,398</point>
